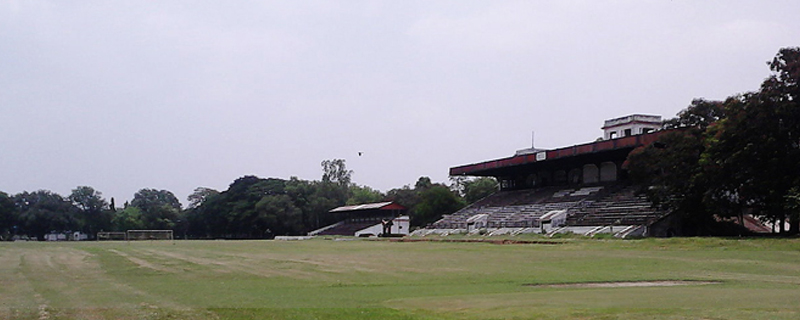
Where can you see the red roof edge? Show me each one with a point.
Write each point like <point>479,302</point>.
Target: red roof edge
<point>586,148</point>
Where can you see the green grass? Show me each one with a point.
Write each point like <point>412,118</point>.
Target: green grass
<point>324,279</point>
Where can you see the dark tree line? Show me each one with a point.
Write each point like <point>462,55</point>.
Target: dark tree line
<point>35,214</point>
<point>728,158</point>
<point>255,207</point>
<point>251,207</point>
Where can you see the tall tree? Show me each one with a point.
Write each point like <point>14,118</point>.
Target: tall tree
<point>303,194</point>
<point>235,213</point>
<point>669,173</point>
<point>754,154</point>
<point>43,211</point>
<point>93,211</point>
<point>404,196</point>
<point>740,155</point>
<point>277,215</point>
<point>129,218</point>
<point>160,208</point>
<point>334,189</point>
<point>364,194</point>
<point>335,171</point>
<point>200,195</point>
<point>435,201</point>
<point>479,188</point>
<point>422,184</point>
<point>793,202</point>
<point>7,216</point>
<point>427,201</point>
<point>698,116</point>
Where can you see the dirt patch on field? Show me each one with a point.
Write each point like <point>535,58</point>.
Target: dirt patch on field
<point>625,284</point>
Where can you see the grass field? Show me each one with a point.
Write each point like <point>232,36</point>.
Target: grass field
<point>325,279</point>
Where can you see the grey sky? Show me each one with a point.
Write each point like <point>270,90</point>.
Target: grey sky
<point>124,95</point>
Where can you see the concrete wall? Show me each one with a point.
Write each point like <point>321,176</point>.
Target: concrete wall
<point>401,225</point>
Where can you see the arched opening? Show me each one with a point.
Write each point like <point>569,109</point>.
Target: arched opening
<point>531,181</point>
<point>560,177</point>
<point>608,172</point>
<point>545,178</point>
<point>574,176</point>
<point>590,173</point>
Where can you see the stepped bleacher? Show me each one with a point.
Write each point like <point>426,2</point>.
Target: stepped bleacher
<point>348,227</point>
<point>582,188</point>
<point>601,205</point>
<point>519,208</point>
<point>621,208</point>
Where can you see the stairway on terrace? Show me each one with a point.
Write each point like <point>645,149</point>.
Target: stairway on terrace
<point>520,208</point>
<point>623,207</point>
<point>347,229</point>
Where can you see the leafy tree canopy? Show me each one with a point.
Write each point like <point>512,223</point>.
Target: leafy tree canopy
<point>364,194</point>
<point>199,196</point>
<point>129,218</point>
<point>160,208</point>
<point>335,171</point>
<point>739,155</point>
<point>479,188</point>
<point>7,215</point>
<point>93,211</point>
<point>435,201</point>
<point>43,211</point>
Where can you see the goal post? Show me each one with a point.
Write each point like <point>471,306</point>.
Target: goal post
<point>133,235</point>
<point>110,235</point>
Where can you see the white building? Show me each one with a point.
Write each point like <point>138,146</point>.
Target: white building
<point>630,125</point>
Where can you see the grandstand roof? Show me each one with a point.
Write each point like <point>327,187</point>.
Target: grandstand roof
<point>495,167</point>
<point>370,206</point>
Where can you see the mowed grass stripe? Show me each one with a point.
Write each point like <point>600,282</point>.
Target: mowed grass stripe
<point>689,302</point>
<point>65,283</point>
<point>18,298</point>
<point>321,279</point>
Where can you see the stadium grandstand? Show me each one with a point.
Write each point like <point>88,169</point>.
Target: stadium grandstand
<point>580,189</point>
<point>368,220</point>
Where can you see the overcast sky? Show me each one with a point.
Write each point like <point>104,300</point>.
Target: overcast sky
<point>125,95</point>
